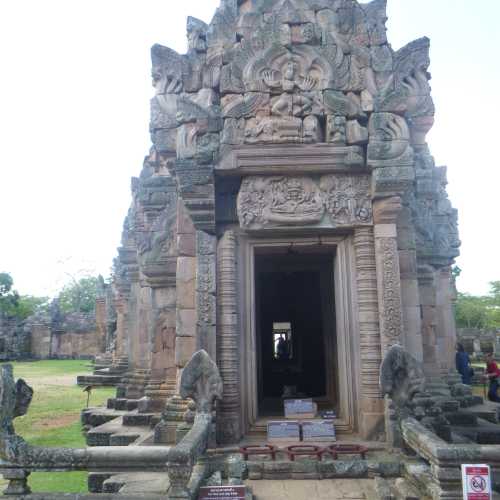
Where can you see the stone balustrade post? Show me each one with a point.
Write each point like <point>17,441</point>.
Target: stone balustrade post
<point>18,482</point>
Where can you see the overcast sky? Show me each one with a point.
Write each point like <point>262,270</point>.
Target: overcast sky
<point>74,109</point>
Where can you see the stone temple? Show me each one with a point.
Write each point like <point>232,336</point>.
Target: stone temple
<point>289,184</point>
<point>288,232</point>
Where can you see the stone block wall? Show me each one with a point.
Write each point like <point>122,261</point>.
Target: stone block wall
<point>478,342</point>
<point>14,340</point>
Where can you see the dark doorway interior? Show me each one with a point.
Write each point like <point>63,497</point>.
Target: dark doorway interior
<point>295,329</point>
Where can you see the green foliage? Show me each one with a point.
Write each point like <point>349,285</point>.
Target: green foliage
<point>28,305</point>
<point>80,295</point>
<point>482,312</point>
<point>6,283</point>
<point>19,306</point>
<point>8,297</point>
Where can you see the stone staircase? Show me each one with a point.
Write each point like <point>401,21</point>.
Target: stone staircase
<point>105,375</point>
<point>118,432</point>
<point>398,489</point>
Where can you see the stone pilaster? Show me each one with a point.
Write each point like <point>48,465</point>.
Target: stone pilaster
<point>186,317</point>
<point>228,415</point>
<point>447,333</point>
<point>409,283</point>
<point>206,287</point>
<point>388,273</point>
<point>427,291</point>
<point>371,404</point>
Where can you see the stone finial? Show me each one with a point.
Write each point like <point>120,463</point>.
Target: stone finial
<point>196,34</point>
<point>15,399</point>
<point>201,381</point>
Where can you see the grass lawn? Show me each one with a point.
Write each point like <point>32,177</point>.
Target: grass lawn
<point>53,418</point>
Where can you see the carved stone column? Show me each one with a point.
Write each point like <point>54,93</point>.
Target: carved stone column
<point>185,343</point>
<point>228,415</point>
<point>427,290</point>
<point>206,286</point>
<point>371,404</point>
<point>385,213</point>
<point>446,327</point>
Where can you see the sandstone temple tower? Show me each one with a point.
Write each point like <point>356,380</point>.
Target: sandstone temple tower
<point>289,219</point>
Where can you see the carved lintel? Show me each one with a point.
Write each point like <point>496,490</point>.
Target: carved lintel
<point>327,201</point>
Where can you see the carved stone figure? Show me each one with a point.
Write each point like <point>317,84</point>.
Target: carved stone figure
<point>201,382</point>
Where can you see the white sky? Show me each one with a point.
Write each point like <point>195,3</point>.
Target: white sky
<point>74,111</point>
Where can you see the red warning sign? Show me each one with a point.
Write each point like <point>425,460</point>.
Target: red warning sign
<point>476,482</point>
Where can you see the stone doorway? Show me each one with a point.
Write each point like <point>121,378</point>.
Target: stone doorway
<point>303,258</point>
<point>295,327</point>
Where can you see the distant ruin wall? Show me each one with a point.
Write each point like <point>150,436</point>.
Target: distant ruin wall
<point>75,336</point>
<point>14,341</point>
<point>478,342</point>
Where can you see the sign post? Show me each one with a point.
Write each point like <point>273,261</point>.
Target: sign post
<point>222,493</point>
<point>300,408</point>
<point>476,482</point>
<point>283,431</point>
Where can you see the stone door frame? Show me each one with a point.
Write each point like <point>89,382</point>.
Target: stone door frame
<point>346,323</point>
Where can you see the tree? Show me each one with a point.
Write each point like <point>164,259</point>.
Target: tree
<point>17,306</point>
<point>28,305</point>
<point>8,297</point>
<point>80,295</point>
<point>481,312</point>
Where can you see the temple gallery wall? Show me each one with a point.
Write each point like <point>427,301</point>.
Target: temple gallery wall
<point>289,235</point>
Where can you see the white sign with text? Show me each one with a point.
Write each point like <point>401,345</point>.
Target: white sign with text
<point>476,482</point>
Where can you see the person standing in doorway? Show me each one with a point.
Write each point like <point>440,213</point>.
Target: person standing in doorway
<point>493,375</point>
<point>462,363</point>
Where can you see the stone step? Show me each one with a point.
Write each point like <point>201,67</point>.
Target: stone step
<point>95,481</point>
<point>138,419</point>
<point>483,433</point>
<point>115,433</point>
<point>461,418</point>
<point>137,483</point>
<point>98,380</point>
<point>123,404</point>
<point>93,417</point>
<point>468,401</point>
<point>384,489</point>
<point>123,439</point>
<point>487,411</point>
<point>406,491</point>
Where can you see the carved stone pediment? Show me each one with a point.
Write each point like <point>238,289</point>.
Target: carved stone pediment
<point>328,201</point>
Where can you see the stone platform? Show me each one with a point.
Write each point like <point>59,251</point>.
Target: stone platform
<point>328,489</point>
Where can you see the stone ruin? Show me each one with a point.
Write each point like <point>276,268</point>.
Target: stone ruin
<point>53,334</point>
<point>289,138</point>
<point>289,194</point>
<point>479,342</point>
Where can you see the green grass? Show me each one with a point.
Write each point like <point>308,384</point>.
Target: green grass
<point>29,370</point>
<point>53,418</point>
